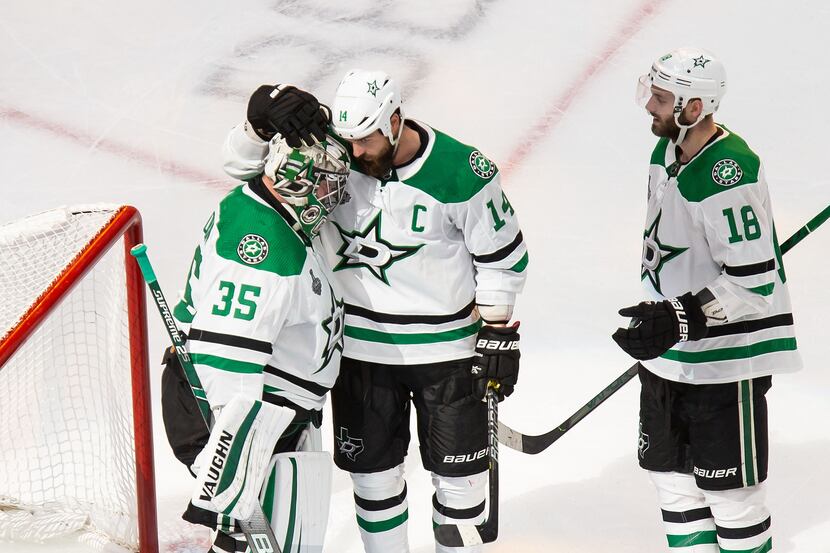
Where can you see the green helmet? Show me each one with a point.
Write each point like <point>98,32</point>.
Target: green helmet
<point>311,179</point>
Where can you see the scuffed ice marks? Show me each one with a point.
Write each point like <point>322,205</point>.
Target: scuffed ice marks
<point>360,33</point>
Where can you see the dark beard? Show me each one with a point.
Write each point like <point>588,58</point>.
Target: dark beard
<point>379,167</point>
<point>668,129</point>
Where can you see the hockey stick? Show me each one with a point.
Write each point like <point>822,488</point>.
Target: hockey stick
<point>257,529</point>
<point>534,444</point>
<point>465,535</point>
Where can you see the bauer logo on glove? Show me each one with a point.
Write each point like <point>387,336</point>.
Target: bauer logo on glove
<point>496,358</point>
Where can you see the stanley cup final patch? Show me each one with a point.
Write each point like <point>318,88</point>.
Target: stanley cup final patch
<point>727,172</point>
<point>252,249</point>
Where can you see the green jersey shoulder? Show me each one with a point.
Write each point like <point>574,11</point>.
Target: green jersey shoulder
<point>252,234</point>
<point>726,164</point>
<point>454,172</point>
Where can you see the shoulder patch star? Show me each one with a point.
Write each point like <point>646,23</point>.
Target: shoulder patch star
<point>367,249</point>
<point>656,254</point>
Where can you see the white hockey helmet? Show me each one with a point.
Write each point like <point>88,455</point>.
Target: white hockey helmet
<point>687,73</point>
<point>364,102</point>
<point>311,179</point>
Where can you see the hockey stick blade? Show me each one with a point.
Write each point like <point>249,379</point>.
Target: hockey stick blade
<point>466,535</point>
<point>536,444</point>
<point>257,530</point>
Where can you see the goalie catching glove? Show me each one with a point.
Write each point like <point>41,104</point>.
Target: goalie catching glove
<point>657,326</point>
<point>285,109</point>
<point>496,358</point>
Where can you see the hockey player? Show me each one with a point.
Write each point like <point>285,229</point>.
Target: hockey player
<point>429,255</point>
<point>719,323</point>
<point>264,329</point>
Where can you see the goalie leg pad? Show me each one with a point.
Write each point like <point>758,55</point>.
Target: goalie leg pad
<point>687,518</point>
<point>234,463</point>
<point>382,510</point>
<point>296,499</point>
<point>742,519</point>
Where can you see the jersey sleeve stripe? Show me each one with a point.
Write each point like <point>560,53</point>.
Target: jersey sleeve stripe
<point>764,290</point>
<point>501,253</point>
<point>730,354</point>
<point>225,364</point>
<point>230,340</point>
<point>521,265</point>
<point>743,327</point>
<point>309,386</point>
<point>749,270</point>
<point>390,318</point>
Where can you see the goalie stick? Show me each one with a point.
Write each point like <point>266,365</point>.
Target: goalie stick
<point>465,535</point>
<point>257,529</point>
<point>532,445</point>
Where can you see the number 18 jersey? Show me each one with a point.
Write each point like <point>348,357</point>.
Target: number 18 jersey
<point>709,225</point>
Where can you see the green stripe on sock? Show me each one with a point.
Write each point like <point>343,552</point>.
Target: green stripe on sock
<point>383,525</point>
<point>760,549</point>
<point>730,354</point>
<point>697,538</point>
<point>369,335</point>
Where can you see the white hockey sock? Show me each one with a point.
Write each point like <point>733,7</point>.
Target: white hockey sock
<point>743,521</point>
<point>382,510</point>
<point>459,500</point>
<point>687,518</point>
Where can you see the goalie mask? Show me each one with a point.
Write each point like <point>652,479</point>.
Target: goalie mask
<point>688,73</point>
<point>311,179</point>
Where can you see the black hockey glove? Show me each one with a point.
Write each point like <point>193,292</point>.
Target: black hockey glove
<point>496,358</point>
<point>657,326</point>
<point>294,113</point>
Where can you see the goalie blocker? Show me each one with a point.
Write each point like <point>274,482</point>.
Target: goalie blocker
<point>256,452</point>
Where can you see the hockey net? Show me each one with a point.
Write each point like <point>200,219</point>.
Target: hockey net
<point>76,452</point>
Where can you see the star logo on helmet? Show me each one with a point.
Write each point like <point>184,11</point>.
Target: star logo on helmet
<point>701,62</point>
<point>373,88</point>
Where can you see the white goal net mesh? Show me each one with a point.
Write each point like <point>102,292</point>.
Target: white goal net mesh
<point>66,434</point>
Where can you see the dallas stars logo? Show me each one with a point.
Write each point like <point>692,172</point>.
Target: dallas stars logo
<point>700,62</point>
<point>373,88</point>
<point>333,326</point>
<point>656,254</point>
<point>252,249</point>
<point>727,172</point>
<point>366,249</point>
<point>348,446</point>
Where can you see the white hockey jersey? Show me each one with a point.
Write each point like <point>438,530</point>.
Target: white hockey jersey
<point>710,225</point>
<point>414,255</point>
<point>258,309</point>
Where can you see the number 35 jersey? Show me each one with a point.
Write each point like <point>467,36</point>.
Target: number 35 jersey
<point>710,225</point>
<point>415,253</point>
<point>260,315</point>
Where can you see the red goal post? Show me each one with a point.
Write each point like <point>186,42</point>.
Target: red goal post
<point>123,226</point>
